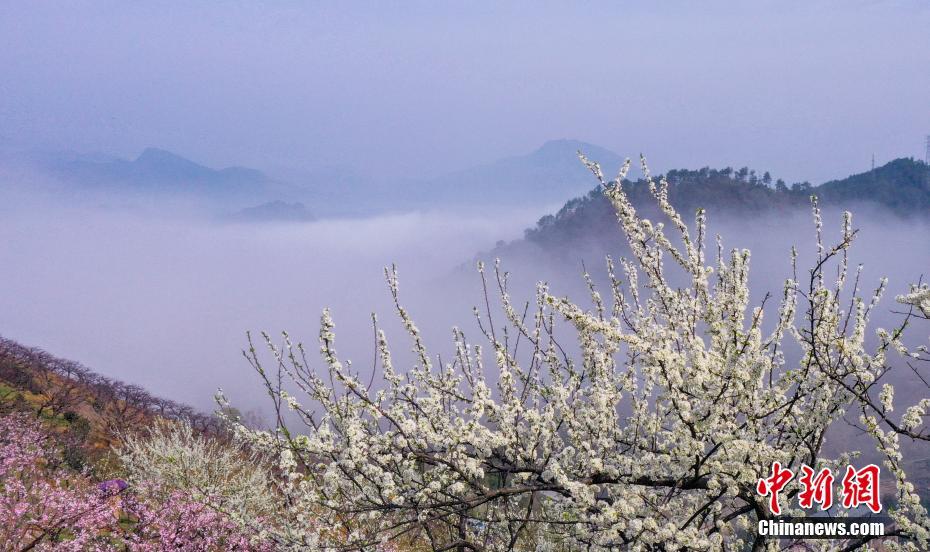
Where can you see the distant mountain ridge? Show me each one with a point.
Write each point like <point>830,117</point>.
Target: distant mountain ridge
<point>550,174</point>
<point>544,177</point>
<point>547,176</point>
<point>161,172</point>
<point>159,162</point>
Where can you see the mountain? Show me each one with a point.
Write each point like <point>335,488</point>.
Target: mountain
<point>901,186</point>
<point>550,174</point>
<point>157,172</point>
<point>547,176</point>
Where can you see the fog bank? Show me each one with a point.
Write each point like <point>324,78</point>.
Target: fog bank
<point>166,302</point>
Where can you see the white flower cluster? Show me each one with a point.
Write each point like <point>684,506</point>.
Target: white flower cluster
<point>228,478</point>
<point>919,297</point>
<point>652,437</point>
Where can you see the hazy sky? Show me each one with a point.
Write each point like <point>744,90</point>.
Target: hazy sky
<point>808,90</point>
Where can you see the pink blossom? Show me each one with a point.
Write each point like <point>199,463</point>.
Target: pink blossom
<point>45,507</point>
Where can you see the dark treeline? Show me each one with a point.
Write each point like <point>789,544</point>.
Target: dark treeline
<point>902,186</point>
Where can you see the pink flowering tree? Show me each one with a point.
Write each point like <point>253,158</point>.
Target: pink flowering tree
<point>41,505</point>
<point>179,522</point>
<point>44,506</point>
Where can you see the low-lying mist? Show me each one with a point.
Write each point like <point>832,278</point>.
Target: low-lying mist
<point>165,301</point>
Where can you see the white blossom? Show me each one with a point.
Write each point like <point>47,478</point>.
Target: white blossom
<point>653,435</point>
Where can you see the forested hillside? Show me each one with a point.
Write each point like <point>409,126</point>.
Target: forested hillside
<point>902,186</point>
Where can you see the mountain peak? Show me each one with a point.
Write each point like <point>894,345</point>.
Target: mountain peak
<point>156,153</point>
<point>155,157</point>
<point>562,144</point>
<point>564,147</point>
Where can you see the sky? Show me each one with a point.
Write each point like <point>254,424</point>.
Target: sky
<point>807,90</point>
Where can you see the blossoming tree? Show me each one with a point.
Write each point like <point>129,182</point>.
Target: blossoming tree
<point>42,507</point>
<point>654,436</point>
<point>45,506</point>
<point>172,458</point>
